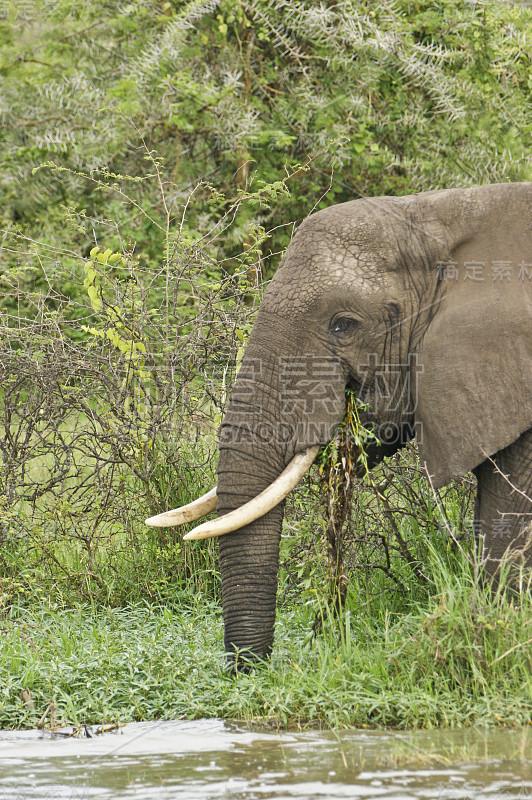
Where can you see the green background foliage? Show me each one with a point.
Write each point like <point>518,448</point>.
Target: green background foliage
<point>395,97</point>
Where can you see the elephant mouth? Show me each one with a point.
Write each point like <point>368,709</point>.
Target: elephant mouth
<point>246,514</point>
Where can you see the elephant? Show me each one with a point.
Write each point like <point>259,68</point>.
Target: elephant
<point>421,304</point>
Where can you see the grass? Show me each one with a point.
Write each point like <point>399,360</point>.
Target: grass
<point>461,657</point>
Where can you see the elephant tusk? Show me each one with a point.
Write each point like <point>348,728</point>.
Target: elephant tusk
<point>262,503</point>
<point>192,511</point>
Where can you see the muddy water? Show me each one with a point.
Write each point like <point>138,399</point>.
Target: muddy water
<point>211,760</point>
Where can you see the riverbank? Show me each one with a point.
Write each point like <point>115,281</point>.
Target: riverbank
<point>463,657</point>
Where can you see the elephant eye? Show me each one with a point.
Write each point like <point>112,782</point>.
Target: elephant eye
<point>342,325</point>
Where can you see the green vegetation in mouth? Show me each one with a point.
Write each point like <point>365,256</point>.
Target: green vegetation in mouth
<point>342,463</point>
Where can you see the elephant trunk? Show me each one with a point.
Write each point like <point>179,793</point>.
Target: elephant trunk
<point>257,441</point>
<point>272,416</point>
<point>249,562</point>
<point>249,557</point>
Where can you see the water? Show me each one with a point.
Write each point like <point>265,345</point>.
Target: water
<point>213,760</point>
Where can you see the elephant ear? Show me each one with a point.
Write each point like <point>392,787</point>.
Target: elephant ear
<point>474,376</point>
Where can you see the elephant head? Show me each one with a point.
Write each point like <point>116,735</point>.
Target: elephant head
<point>422,304</point>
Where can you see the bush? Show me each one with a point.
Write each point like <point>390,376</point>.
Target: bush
<point>113,376</point>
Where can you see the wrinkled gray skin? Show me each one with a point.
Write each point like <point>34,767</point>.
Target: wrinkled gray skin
<point>366,296</point>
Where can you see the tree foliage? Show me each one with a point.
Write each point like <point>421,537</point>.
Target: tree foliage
<point>396,97</point>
